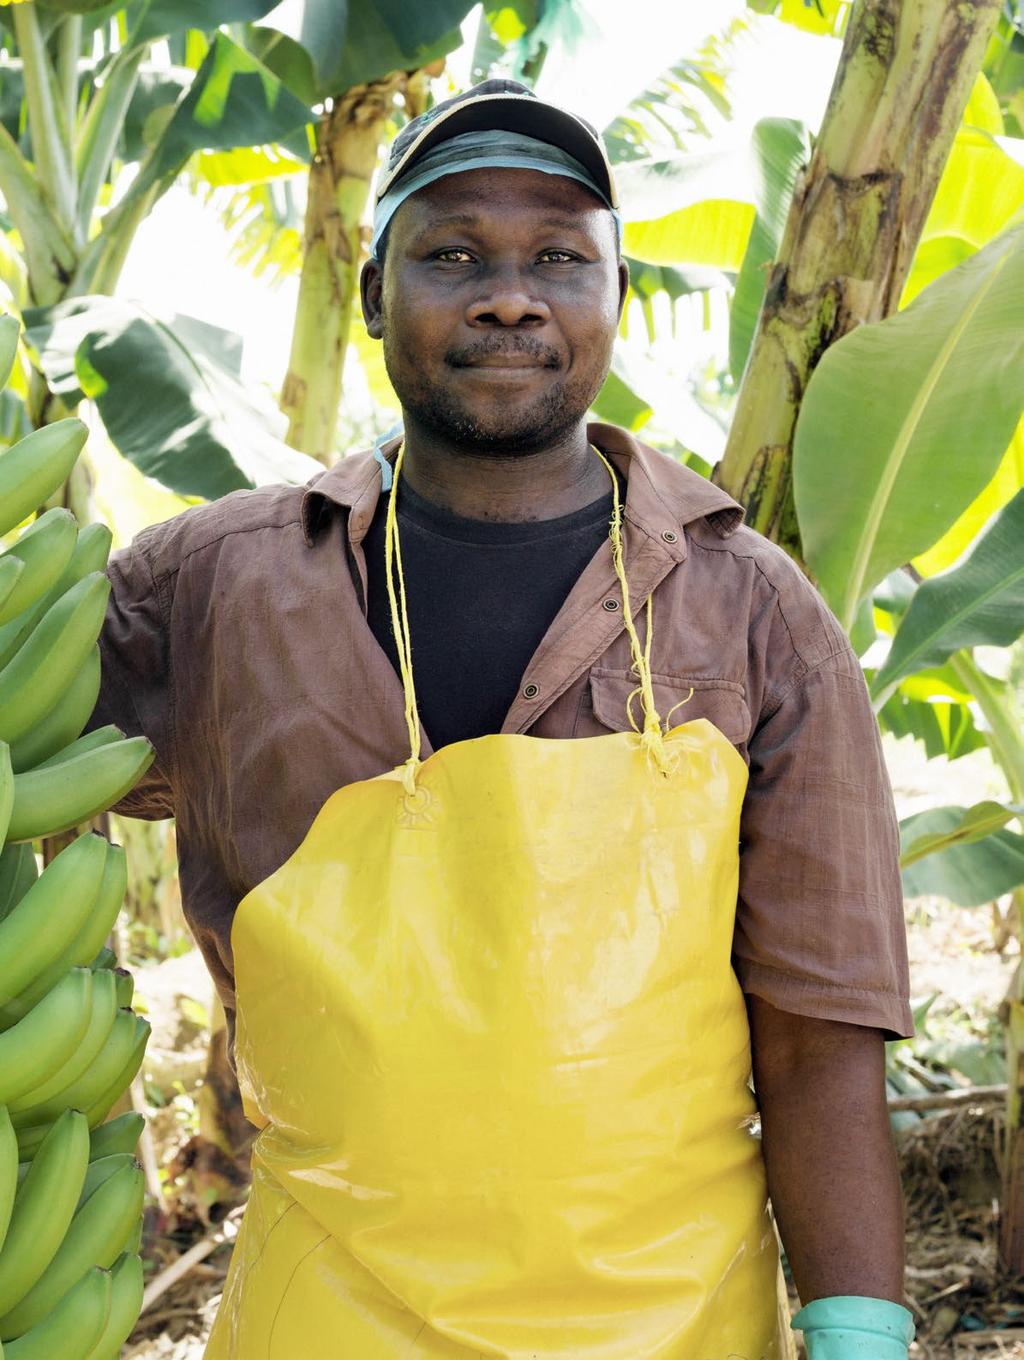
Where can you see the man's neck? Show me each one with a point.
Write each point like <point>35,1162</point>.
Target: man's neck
<point>523,487</point>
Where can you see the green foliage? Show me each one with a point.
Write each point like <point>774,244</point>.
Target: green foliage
<point>919,400</point>
<point>969,872</point>
<point>169,395</point>
<point>329,46</point>
<point>781,148</point>
<point>979,602</point>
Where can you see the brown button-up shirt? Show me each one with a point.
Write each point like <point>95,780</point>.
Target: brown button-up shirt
<point>237,641</point>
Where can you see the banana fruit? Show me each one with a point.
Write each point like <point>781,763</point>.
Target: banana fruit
<point>71,1190</point>
<point>44,550</point>
<point>61,726</point>
<point>32,469</point>
<point>35,678</point>
<point>58,797</point>
<point>49,1035</point>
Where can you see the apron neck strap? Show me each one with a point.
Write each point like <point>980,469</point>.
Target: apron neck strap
<point>651,736</point>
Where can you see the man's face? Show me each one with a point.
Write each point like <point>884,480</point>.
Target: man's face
<point>498,307</point>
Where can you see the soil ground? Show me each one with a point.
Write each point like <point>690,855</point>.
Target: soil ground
<point>964,1309</point>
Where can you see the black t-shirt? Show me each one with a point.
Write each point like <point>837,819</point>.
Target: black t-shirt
<point>480,597</point>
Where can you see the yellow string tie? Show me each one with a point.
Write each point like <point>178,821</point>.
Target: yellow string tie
<point>403,637</point>
<point>651,740</point>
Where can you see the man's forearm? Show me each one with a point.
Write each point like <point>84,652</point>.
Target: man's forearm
<point>828,1148</point>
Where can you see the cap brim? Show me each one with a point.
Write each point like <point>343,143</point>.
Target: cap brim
<point>520,113</point>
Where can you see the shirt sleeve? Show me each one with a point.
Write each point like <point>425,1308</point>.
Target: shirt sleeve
<point>135,689</point>
<point>820,928</point>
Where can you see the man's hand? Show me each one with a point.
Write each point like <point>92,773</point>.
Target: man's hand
<point>828,1148</point>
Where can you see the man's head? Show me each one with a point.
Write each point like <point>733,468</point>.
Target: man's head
<point>499,292</point>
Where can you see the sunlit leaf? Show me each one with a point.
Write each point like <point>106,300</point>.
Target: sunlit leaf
<point>905,421</point>
<point>970,874</point>
<point>978,603</point>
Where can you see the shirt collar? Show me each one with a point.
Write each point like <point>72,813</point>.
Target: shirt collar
<point>662,498</point>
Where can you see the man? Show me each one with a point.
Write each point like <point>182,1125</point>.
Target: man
<point>251,641</point>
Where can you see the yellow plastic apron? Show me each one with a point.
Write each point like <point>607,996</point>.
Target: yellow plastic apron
<point>487,1017</point>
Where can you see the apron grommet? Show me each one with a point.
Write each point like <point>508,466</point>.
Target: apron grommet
<point>610,605</point>
<point>531,691</point>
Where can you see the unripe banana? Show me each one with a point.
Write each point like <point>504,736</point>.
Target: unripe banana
<point>90,1045</point>
<point>91,741</point>
<point>96,1237</point>
<point>119,1135</point>
<point>62,796</point>
<point>44,1206</point>
<point>11,570</point>
<point>81,950</point>
<point>62,725</point>
<point>35,678</point>
<point>51,914</point>
<point>7,790</point>
<point>44,549</point>
<point>93,1084</point>
<point>18,871</point>
<point>105,961</point>
<point>8,1171</point>
<point>91,553</point>
<point>97,1173</point>
<point>98,1111</point>
<point>125,987</point>
<point>36,1047</point>
<point>125,1306</point>
<point>32,469</point>
<point>73,1329</point>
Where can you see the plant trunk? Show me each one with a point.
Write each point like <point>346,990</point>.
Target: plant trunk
<point>904,77</point>
<point>348,140</point>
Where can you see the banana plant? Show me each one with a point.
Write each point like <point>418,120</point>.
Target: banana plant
<point>73,122</point>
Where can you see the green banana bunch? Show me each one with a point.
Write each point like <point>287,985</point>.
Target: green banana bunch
<point>51,914</point>
<point>91,553</point>
<point>41,1044</point>
<point>79,950</point>
<point>18,872</point>
<point>33,469</point>
<point>96,1237</point>
<point>71,1190</point>
<point>74,1328</point>
<point>61,726</point>
<point>44,550</point>
<point>59,796</point>
<point>36,676</point>
<point>101,1020</point>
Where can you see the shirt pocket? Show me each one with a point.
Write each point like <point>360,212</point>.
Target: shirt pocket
<point>603,707</point>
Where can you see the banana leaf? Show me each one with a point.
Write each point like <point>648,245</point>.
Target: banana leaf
<point>169,395</point>
<point>335,44</point>
<point>980,602</point>
<point>781,146</point>
<point>976,823</point>
<point>969,874</point>
<point>696,208</point>
<point>904,422</point>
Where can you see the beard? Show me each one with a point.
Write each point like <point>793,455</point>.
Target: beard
<point>506,428</point>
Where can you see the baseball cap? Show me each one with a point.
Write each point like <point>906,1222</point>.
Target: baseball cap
<point>498,122</point>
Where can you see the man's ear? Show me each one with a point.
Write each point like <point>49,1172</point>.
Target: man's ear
<point>623,285</point>
<point>371,288</point>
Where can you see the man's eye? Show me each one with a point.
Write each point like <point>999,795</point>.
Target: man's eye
<point>563,256</point>
<point>449,255</point>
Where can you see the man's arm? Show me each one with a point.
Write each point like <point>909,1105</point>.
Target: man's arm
<point>828,1147</point>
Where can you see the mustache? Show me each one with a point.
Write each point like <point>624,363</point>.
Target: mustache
<point>466,355</point>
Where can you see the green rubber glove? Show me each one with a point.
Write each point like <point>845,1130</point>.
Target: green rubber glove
<point>851,1327</point>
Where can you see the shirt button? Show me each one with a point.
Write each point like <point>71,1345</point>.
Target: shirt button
<point>610,605</point>
<point>530,691</point>
<point>670,536</point>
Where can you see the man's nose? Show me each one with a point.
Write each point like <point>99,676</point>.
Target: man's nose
<point>506,299</point>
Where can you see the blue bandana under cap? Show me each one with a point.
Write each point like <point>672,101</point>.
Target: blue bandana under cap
<point>476,151</point>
